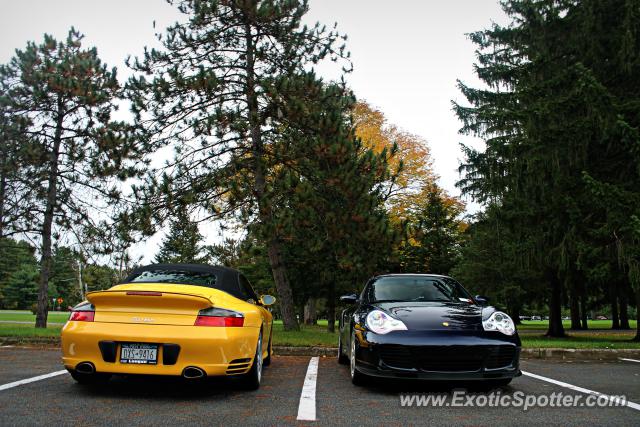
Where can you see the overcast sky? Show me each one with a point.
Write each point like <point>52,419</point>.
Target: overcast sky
<point>407,54</point>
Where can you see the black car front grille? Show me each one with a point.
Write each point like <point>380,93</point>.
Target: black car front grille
<point>501,357</point>
<point>447,358</point>
<point>397,356</point>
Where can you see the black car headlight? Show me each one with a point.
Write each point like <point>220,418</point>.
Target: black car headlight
<point>381,323</point>
<point>501,322</point>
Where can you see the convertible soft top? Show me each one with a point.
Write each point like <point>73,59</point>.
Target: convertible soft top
<point>226,278</point>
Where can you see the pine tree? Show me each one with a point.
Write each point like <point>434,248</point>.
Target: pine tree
<point>210,95</point>
<point>16,209</point>
<point>14,255</point>
<point>21,290</point>
<point>226,253</point>
<point>434,232</point>
<point>66,96</point>
<point>63,280</point>
<point>558,126</point>
<point>99,277</point>
<point>183,244</point>
<point>488,265</point>
<point>611,56</point>
<point>331,209</point>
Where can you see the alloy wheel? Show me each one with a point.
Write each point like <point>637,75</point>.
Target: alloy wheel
<point>259,358</point>
<point>352,356</point>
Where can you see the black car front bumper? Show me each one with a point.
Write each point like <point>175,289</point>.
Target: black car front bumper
<point>436,355</point>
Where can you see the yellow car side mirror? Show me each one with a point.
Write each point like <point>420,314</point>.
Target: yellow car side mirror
<point>267,300</point>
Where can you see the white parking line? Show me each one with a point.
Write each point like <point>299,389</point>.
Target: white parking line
<point>629,360</point>
<point>582,390</point>
<point>307,408</point>
<point>31,380</point>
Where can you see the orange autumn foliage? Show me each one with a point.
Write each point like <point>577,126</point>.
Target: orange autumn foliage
<point>411,163</point>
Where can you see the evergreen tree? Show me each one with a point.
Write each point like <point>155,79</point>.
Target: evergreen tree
<point>63,280</point>
<point>434,233</point>
<point>99,277</point>
<point>250,256</point>
<point>331,208</point>
<point>21,290</point>
<point>66,96</point>
<point>183,243</point>
<point>14,255</point>
<point>210,94</point>
<point>558,127</point>
<point>610,58</point>
<point>488,266</point>
<point>16,209</point>
<point>226,253</point>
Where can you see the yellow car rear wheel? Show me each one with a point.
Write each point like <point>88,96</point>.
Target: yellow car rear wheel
<point>267,360</point>
<point>251,380</point>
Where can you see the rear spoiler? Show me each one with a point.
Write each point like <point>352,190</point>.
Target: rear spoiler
<point>126,300</point>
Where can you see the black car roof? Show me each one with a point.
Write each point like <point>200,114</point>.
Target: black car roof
<point>410,274</point>
<point>203,268</point>
<point>226,278</point>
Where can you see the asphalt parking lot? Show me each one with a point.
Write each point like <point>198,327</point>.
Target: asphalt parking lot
<point>58,400</point>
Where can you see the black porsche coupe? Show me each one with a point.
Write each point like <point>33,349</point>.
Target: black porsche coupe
<point>426,326</point>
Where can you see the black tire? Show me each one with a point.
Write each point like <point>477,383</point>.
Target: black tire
<point>343,359</point>
<point>85,379</point>
<point>251,380</point>
<point>357,377</point>
<point>267,360</point>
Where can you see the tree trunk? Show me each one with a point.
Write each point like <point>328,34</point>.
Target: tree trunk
<point>310,315</point>
<point>637,337</point>
<point>575,311</point>
<point>331,308</point>
<point>278,268</point>
<point>514,312</point>
<point>80,285</point>
<point>287,308</point>
<point>574,302</point>
<point>555,305</point>
<point>583,308</point>
<point>3,185</point>
<point>624,306</point>
<point>613,295</point>
<point>47,225</point>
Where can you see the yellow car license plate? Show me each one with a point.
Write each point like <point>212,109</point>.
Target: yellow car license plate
<point>145,354</point>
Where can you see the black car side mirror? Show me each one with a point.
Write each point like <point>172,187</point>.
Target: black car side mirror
<point>482,301</point>
<point>349,299</point>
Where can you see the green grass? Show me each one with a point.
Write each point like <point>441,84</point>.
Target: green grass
<point>307,336</point>
<point>595,340</point>
<point>27,316</point>
<point>593,324</point>
<point>13,330</point>
<point>318,335</point>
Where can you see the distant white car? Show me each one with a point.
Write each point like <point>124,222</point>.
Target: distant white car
<point>536,318</point>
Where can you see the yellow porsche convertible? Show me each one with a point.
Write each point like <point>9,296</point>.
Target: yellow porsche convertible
<point>171,319</point>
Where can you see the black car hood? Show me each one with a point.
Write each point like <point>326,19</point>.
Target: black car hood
<point>435,315</point>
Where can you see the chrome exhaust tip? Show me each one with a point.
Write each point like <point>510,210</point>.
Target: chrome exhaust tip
<point>193,373</point>
<point>86,368</point>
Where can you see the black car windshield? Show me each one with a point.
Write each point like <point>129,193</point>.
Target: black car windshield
<point>177,277</point>
<point>416,288</point>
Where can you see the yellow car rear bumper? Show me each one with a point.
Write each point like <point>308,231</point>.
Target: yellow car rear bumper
<point>216,350</point>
